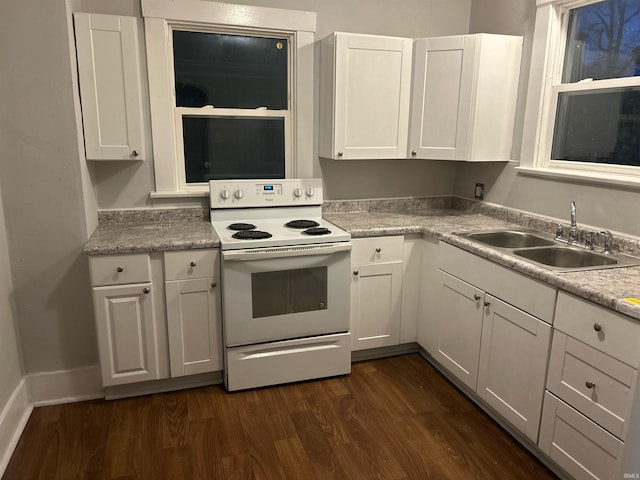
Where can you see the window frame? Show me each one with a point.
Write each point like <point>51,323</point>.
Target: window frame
<point>161,18</point>
<point>545,85</point>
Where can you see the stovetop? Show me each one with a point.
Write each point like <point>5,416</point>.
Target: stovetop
<point>267,206</point>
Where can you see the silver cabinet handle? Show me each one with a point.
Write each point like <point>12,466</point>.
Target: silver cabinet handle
<point>597,327</point>
<point>356,272</point>
<point>119,269</point>
<point>214,285</point>
<point>340,154</point>
<point>590,384</point>
<point>486,304</point>
<point>477,297</point>
<point>146,290</point>
<point>378,250</point>
<point>135,153</point>
<point>413,153</point>
<point>193,264</point>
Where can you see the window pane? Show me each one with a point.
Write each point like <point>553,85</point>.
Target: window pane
<point>598,127</point>
<point>603,41</point>
<point>230,71</point>
<point>288,291</point>
<point>223,147</point>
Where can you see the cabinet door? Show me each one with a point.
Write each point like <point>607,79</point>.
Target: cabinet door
<point>376,299</point>
<point>441,104</point>
<point>513,364</point>
<point>126,336</point>
<point>458,328</point>
<point>194,326</point>
<point>372,95</point>
<point>110,86</point>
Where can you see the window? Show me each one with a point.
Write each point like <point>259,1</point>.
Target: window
<point>231,91</point>
<point>232,106</point>
<point>586,68</point>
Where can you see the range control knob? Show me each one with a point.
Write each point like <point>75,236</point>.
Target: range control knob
<point>225,194</point>
<point>238,194</point>
<point>297,192</point>
<point>310,192</point>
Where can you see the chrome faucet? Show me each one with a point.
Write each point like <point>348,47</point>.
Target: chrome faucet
<point>573,231</point>
<point>607,240</point>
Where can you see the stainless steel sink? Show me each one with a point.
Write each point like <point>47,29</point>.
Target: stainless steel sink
<point>562,257</point>
<point>510,239</point>
<point>546,252</point>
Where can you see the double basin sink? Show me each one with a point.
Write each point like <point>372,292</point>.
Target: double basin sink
<point>546,252</point>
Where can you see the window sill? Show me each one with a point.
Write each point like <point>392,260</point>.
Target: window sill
<point>181,194</point>
<point>590,178</point>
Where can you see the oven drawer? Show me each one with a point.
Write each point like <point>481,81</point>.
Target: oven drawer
<point>377,250</point>
<point>596,384</point>
<point>119,269</point>
<point>288,361</point>
<point>187,264</point>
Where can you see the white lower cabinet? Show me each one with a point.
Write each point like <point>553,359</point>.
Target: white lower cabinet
<point>499,351</point>
<point>376,292</point>
<point>194,319</point>
<point>513,364</point>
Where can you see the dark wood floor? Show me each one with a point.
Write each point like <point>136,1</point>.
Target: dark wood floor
<point>394,418</point>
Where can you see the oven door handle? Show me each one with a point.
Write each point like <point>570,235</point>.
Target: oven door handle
<point>281,252</point>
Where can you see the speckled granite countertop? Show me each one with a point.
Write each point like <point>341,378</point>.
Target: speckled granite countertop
<point>137,231</point>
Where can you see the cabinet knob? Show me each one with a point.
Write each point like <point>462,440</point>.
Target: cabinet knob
<point>356,272</point>
<point>119,269</point>
<point>340,154</point>
<point>486,304</point>
<point>590,384</point>
<point>135,153</point>
<point>477,297</point>
<point>597,327</point>
<point>193,264</point>
<point>146,290</point>
<point>413,153</point>
<point>214,285</point>
<point>378,250</point>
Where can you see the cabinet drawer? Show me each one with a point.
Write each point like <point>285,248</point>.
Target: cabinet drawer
<point>599,327</point>
<point>576,444</point>
<point>188,264</point>
<point>607,398</point>
<point>119,269</point>
<point>377,250</point>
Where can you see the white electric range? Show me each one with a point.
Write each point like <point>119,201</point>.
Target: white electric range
<point>285,282</point>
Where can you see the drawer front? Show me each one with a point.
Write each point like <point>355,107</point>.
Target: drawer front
<point>532,296</point>
<point>597,385</point>
<point>119,269</point>
<point>607,331</point>
<point>377,250</point>
<point>187,264</point>
<point>575,443</point>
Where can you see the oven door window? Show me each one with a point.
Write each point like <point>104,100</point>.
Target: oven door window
<point>288,291</point>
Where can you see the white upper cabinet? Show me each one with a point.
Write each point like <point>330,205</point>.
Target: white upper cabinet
<point>365,95</point>
<point>464,97</point>
<point>110,86</point>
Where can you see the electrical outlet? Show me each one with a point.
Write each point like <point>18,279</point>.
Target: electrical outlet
<point>479,192</point>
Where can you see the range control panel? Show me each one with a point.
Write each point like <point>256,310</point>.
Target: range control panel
<point>265,193</point>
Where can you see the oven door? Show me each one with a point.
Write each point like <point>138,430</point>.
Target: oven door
<point>285,292</point>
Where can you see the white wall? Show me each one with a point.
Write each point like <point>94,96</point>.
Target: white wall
<point>42,178</point>
<point>600,206</point>
<point>10,370</point>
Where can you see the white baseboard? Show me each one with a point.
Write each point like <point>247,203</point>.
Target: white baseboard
<point>13,419</point>
<point>65,386</point>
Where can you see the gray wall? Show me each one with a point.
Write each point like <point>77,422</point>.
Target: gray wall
<point>606,207</point>
<point>42,183</point>
<point>124,185</point>
<point>10,371</point>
